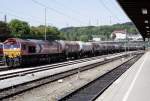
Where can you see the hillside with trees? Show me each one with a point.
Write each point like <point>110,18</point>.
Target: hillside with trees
<point>86,33</point>
<point>21,29</point>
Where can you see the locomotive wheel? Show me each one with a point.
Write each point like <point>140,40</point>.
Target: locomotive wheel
<point>49,60</point>
<point>16,62</point>
<point>10,62</point>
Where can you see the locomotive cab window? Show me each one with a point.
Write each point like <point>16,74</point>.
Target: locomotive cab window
<point>31,49</point>
<point>1,46</point>
<point>24,47</point>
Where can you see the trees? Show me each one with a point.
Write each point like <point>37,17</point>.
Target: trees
<point>22,29</point>
<point>85,33</point>
<point>19,28</point>
<point>4,31</point>
<point>84,38</point>
<point>52,33</point>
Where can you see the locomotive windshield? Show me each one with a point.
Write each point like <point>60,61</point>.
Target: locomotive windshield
<point>1,46</point>
<point>11,46</point>
<point>1,49</point>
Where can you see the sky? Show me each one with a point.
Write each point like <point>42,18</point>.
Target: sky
<point>64,13</point>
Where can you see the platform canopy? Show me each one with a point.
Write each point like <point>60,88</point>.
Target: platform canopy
<point>139,12</point>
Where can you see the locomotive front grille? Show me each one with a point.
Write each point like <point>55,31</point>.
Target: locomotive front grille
<point>12,53</point>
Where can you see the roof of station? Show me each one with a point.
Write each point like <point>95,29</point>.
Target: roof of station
<point>139,12</point>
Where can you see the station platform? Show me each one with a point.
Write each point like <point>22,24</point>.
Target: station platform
<point>133,85</point>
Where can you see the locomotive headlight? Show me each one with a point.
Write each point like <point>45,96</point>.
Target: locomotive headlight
<point>146,21</point>
<point>144,11</point>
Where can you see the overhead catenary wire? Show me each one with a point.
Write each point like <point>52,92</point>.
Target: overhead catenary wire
<point>71,9</point>
<point>116,6</point>
<point>12,15</point>
<point>33,18</point>
<point>58,12</point>
<point>108,10</point>
<point>16,16</point>
<point>22,18</point>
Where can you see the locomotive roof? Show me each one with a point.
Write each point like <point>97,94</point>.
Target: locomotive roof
<point>38,41</point>
<point>18,40</point>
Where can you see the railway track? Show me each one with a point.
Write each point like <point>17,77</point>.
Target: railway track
<point>94,89</point>
<point>19,88</point>
<point>2,68</point>
<point>1,63</point>
<point>47,67</point>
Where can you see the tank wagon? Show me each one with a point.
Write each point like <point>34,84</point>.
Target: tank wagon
<point>70,49</point>
<point>86,49</point>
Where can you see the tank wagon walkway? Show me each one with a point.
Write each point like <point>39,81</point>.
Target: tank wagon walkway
<point>133,85</point>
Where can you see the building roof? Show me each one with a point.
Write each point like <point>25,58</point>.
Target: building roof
<point>139,12</point>
<point>119,31</point>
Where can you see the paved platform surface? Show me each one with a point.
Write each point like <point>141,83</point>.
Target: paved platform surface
<point>133,85</point>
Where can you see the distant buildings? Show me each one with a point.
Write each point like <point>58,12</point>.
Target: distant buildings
<point>96,38</point>
<point>121,35</point>
<point>118,35</point>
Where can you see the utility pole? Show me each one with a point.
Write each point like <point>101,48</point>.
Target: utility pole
<point>45,25</point>
<point>67,25</point>
<point>108,36</point>
<point>110,20</point>
<point>97,22</point>
<point>126,41</point>
<point>89,22</point>
<point>5,18</point>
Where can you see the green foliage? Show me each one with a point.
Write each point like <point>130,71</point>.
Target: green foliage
<point>4,31</point>
<point>19,28</point>
<point>84,38</point>
<point>86,33</point>
<point>52,33</point>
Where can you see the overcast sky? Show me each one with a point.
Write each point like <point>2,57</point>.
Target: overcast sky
<point>64,13</point>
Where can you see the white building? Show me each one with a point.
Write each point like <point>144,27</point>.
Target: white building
<point>96,38</point>
<point>134,37</point>
<point>121,35</point>
<point>118,35</point>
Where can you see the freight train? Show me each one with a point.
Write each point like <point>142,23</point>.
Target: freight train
<point>19,52</point>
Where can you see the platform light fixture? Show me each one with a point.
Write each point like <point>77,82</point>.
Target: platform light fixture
<point>144,11</point>
<point>148,31</point>
<point>147,27</point>
<point>146,21</point>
